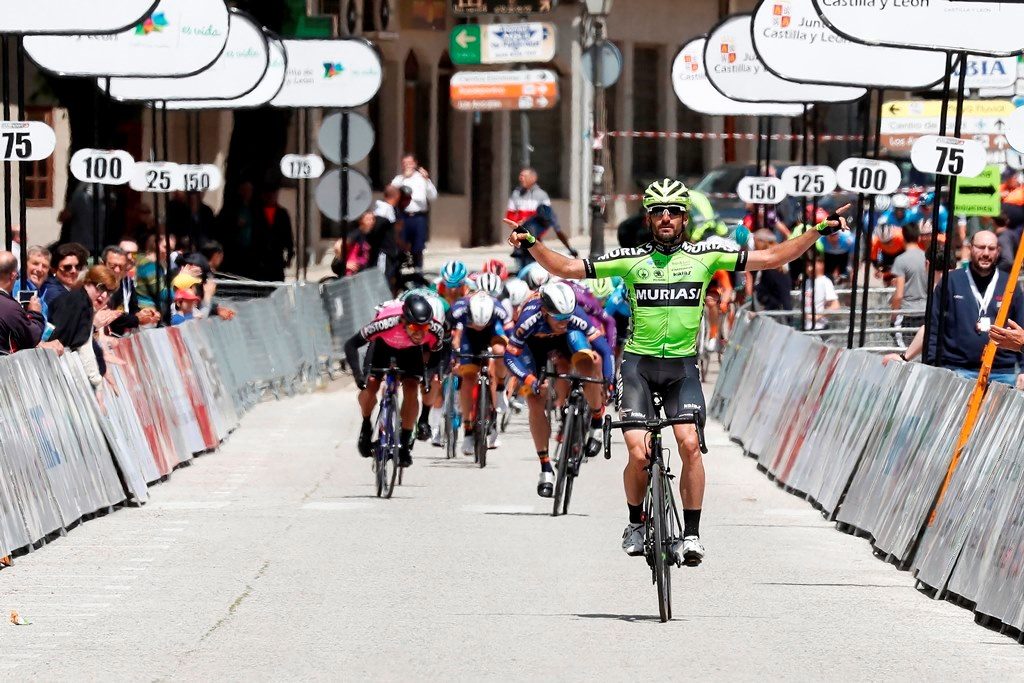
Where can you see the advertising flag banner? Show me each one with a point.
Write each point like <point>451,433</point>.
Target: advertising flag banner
<point>267,89</point>
<point>74,16</point>
<point>180,38</point>
<point>794,43</point>
<point>329,73</point>
<point>734,68</point>
<point>694,90</point>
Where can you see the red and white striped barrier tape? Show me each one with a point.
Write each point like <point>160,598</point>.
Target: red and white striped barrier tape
<point>672,135</point>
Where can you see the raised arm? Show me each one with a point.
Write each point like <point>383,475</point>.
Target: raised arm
<point>781,254</point>
<point>552,261</point>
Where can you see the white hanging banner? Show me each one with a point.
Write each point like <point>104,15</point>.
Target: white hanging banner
<point>948,156</point>
<point>795,44</point>
<point>267,89</point>
<point>760,190</point>
<point>180,38</point>
<point>869,176</point>
<point>1015,129</point>
<point>73,16</point>
<point>238,70</point>
<point>104,166</point>
<point>736,71</point>
<point>690,82</point>
<point>26,140</point>
<point>981,28</point>
<point>156,176</point>
<point>329,73</point>
<point>809,181</point>
<point>302,166</point>
<point>196,177</point>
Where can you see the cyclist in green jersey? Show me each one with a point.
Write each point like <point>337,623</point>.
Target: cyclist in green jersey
<point>666,280</point>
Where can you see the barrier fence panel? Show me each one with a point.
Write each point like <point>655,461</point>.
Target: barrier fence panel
<point>987,464</point>
<point>350,303</point>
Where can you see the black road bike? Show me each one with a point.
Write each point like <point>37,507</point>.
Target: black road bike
<point>572,449</point>
<point>661,516</point>
<point>389,434</point>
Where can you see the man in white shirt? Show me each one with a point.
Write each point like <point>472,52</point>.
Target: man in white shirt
<point>824,295</point>
<point>415,222</point>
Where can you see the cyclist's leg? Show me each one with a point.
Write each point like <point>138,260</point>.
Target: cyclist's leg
<point>637,403</point>
<point>499,373</point>
<point>684,394</point>
<point>711,304</point>
<point>377,356</point>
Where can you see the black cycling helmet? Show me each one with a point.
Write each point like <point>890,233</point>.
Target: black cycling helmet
<point>417,311</point>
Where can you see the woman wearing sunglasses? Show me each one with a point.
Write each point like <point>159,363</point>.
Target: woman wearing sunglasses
<point>666,280</point>
<point>79,314</point>
<point>554,326</point>
<point>406,331</point>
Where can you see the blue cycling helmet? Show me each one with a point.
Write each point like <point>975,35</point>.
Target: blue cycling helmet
<point>454,273</point>
<point>742,235</point>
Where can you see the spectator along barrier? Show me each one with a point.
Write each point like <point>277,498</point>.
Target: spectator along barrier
<point>67,452</point>
<point>869,445</point>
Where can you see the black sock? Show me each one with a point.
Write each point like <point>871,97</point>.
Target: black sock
<point>501,387</point>
<point>545,461</point>
<point>366,425</point>
<point>691,522</point>
<point>595,422</point>
<point>470,429</point>
<point>407,439</point>
<point>636,513</point>
<point>424,414</point>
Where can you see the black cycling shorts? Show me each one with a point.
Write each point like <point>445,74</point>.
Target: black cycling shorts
<point>409,361</point>
<point>676,380</point>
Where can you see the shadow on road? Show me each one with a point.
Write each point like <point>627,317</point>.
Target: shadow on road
<point>620,617</point>
<point>534,514</point>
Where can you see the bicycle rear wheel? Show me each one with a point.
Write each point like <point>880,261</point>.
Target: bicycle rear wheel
<point>564,458</point>
<point>483,425</point>
<point>661,550</point>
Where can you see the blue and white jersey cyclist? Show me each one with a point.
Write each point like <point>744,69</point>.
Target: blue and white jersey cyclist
<point>553,327</point>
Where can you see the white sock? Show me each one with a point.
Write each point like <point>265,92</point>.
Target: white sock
<point>434,419</point>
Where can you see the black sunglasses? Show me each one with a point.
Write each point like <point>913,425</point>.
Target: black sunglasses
<point>67,268</point>
<point>673,209</point>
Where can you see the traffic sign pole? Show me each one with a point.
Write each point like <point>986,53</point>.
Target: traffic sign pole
<point>870,228</point>
<point>343,184</point>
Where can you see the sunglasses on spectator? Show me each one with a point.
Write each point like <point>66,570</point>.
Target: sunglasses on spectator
<point>69,268</point>
<point>100,289</point>
<point>673,209</point>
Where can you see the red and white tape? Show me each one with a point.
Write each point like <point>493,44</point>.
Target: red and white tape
<point>672,135</point>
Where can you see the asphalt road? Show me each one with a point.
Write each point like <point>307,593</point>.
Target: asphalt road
<point>273,559</point>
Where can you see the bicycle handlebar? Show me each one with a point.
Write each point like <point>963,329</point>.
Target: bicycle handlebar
<point>486,356</point>
<point>653,425</point>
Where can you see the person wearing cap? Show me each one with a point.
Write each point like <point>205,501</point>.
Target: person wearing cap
<point>185,302</point>
<point>772,291</point>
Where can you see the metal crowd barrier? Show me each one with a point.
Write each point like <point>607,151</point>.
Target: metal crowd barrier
<point>351,303</point>
<point>870,446</point>
<point>168,395</point>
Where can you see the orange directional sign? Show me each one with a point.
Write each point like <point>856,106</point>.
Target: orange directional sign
<point>504,90</point>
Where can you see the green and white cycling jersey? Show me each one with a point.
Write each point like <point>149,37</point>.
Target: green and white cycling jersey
<point>666,291</point>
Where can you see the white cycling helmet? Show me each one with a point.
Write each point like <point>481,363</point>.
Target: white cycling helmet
<point>481,309</point>
<point>517,291</point>
<point>490,283</point>
<point>900,201</point>
<point>537,277</point>
<point>558,298</point>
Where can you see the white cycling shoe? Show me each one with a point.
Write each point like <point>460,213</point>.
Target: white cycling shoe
<point>546,484</point>
<point>502,402</point>
<point>689,550</point>
<point>468,444</point>
<point>633,539</point>
<point>492,440</point>
<point>437,438</point>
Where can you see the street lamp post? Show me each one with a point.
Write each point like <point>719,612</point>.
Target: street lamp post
<point>598,11</point>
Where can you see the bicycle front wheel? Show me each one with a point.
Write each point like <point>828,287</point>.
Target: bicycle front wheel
<point>387,452</point>
<point>483,425</point>
<point>660,548</point>
<point>565,454</point>
<point>451,406</point>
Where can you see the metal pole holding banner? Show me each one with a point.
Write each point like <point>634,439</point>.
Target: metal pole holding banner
<point>870,231</point>
<point>599,189</point>
<point>5,84</point>
<point>96,246</point>
<point>933,248</point>
<point>305,191</point>
<point>167,233</point>
<point>858,229</point>
<point>22,204</point>
<point>343,185</point>
<point>951,206</point>
<point>299,225</point>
